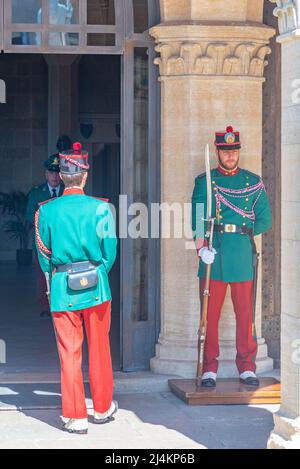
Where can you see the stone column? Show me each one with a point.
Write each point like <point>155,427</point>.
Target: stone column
<point>62,97</point>
<point>287,421</point>
<point>211,62</point>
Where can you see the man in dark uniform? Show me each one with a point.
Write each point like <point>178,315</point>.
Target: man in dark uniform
<point>77,246</point>
<point>53,187</point>
<point>241,210</point>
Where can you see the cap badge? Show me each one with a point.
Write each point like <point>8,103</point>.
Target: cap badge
<point>229,138</point>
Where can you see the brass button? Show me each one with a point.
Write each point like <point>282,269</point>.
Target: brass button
<point>221,216</point>
<point>244,224</point>
<point>247,200</point>
<point>214,182</point>
<point>244,216</point>
<point>247,183</point>
<point>70,305</point>
<point>215,188</point>
<point>97,298</point>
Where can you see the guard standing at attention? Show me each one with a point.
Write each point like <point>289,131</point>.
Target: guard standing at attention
<point>241,210</point>
<point>77,246</point>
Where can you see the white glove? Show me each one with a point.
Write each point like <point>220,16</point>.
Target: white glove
<point>207,256</point>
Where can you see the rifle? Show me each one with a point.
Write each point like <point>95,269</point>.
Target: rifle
<point>209,234</point>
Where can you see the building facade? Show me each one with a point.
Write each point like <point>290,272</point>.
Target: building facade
<point>180,71</point>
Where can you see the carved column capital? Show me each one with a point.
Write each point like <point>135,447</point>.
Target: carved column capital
<point>211,50</point>
<point>288,14</point>
<point>212,58</point>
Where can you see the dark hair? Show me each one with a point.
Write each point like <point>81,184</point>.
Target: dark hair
<point>64,143</point>
<point>71,180</point>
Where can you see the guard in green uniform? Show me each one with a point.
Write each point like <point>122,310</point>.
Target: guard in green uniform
<point>53,187</point>
<point>241,209</point>
<point>76,242</point>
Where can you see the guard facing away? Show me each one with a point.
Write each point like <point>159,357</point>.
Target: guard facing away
<point>77,245</point>
<point>241,210</point>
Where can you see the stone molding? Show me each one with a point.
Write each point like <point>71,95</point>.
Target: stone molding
<point>202,49</point>
<point>212,58</point>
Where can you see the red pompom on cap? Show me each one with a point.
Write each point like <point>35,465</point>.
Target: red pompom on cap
<point>229,129</point>
<point>77,146</point>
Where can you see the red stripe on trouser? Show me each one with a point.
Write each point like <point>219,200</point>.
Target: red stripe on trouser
<point>42,298</point>
<point>246,344</point>
<point>69,326</point>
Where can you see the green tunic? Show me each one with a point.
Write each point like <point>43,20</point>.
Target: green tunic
<point>234,260</point>
<point>76,228</point>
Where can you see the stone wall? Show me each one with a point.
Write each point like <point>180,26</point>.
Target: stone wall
<point>286,433</point>
<point>216,10</point>
<point>271,171</point>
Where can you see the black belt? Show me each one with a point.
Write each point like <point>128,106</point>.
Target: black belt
<point>230,228</point>
<point>76,266</point>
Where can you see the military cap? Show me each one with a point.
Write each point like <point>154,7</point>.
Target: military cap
<point>229,140</point>
<point>74,161</point>
<point>52,164</point>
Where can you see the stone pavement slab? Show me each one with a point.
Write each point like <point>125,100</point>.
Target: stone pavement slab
<point>151,421</point>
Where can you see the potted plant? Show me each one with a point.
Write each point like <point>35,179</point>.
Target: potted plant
<point>14,205</point>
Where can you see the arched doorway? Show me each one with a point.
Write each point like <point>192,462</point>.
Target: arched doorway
<point>63,44</point>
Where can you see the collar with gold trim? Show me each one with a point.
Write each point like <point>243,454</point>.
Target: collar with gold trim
<point>228,173</point>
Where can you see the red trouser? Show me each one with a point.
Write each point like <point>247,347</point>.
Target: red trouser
<point>42,298</point>
<point>241,294</point>
<point>69,326</point>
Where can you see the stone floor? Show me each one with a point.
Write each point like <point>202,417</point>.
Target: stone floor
<point>149,416</point>
<point>152,420</point>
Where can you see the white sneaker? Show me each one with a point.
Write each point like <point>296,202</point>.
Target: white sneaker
<point>79,426</point>
<point>64,419</point>
<point>209,379</point>
<point>107,416</point>
<point>209,375</point>
<point>249,378</point>
<point>247,374</point>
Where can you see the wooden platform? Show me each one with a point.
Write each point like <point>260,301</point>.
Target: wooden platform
<point>227,391</point>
